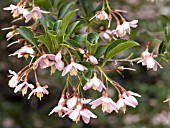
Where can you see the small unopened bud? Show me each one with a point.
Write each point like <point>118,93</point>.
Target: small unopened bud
<point>93,59</point>
<point>81,50</point>
<point>121,68</point>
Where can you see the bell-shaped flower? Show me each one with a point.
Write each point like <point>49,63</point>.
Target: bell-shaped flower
<point>126,25</point>
<point>23,87</point>
<point>95,83</point>
<point>120,31</point>
<point>108,104</point>
<point>129,96</point>
<point>35,13</point>
<point>46,60</point>
<point>24,51</point>
<point>39,91</point>
<point>60,108</point>
<point>101,15</point>
<point>14,79</point>
<point>16,10</point>
<point>72,68</point>
<point>71,102</point>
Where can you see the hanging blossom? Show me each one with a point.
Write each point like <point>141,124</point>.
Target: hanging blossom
<point>46,60</point>
<point>127,98</point>
<point>121,30</point>
<point>80,110</point>
<point>100,15</point>
<point>14,79</point>
<point>15,9</point>
<point>148,61</point>
<point>72,68</point>
<point>35,13</point>
<point>60,108</point>
<point>24,51</point>
<point>95,83</point>
<point>23,87</point>
<point>92,59</point>
<point>108,34</point>
<point>108,105</point>
<point>39,91</point>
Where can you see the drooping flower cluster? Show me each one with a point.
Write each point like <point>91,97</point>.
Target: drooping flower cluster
<point>56,49</point>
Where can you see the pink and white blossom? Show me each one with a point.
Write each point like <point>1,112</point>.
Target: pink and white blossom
<point>46,60</point>
<point>95,83</point>
<point>35,13</point>
<point>23,87</point>
<point>93,59</point>
<point>126,25</point>
<point>26,50</point>
<point>120,31</point>
<point>148,61</point>
<point>101,15</point>
<point>108,104</point>
<point>71,102</point>
<point>72,68</point>
<point>39,91</point>
<point>60,108</point>
<point>129,96</point>
<point>14,79</point>
<point>16,10</point>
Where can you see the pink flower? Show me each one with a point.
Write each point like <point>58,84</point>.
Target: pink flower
<point>148,61</point>
<point>24,51</point>
<point>126,25</point>
<point>108,104</point>
<point>72,68</point>
<point>102,15</point>
<point>16,10</point>
<point>129,96</point>
<point>93,59</point>
<point>86,114</point>
<point>39,91</point>
<point>71,103</point>
<point>108,34</point>
<point>60,107</point>
<point>23,87</point>
<point>11,34</point>
<point>58,56</point>
<point>120,31</point>
<point>46,60</point>
<point>121,104</point>
<point>35,13</point>
<point>79,111</point>
<point>14,80</point>
<point>96,83</point>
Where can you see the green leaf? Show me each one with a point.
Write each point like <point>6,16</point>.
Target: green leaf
<point>44,20</point>
<point>57,25</point>
<point>88,7</point>
<point>167,33</point>
<point>91,47</point>
<point>66,20</point>
<point>80,38</point>
<point>41,4</point>
<point>72,27</point>
<point>28,35</point>
<point>65,8</point>
<point>100,50</point>
<point>162,47</point>
<point>93,37</point>
<point>46,41</point>
<point>116,47</point>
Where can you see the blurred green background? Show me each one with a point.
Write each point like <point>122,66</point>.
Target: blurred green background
<point>18,112</point>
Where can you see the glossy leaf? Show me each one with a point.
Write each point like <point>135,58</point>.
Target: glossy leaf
<point>46,41</point>
<point>28,35</point>
<point>72,27</point>
<point>118,46</point>
<point>100,50</point>
<point>65,8</point>
<point>93,37</point>
<point>41,4</point>
<point>66,20</point>
<point>162,47</point>
<point>87,7</point>
<point>57,25</point>
<point>167,33</point>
